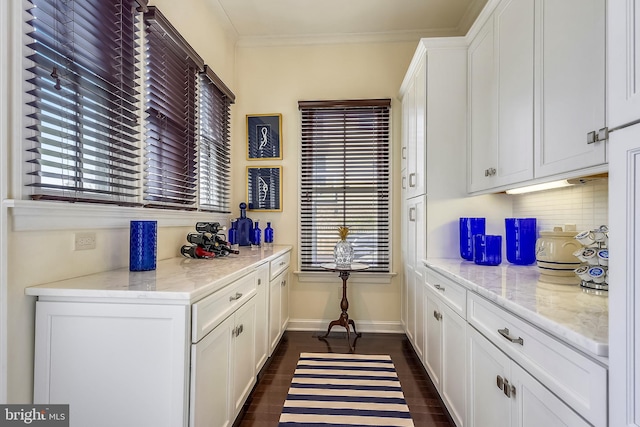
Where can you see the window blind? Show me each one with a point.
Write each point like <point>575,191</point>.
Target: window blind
<point>84,99</point>
<point>172,70</point>
<point>345,181</point>
<point>214,145</point>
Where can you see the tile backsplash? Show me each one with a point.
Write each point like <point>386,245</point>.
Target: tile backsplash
<point>585,205</point>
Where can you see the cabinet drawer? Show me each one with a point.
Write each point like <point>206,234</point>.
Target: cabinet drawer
<point>212,310</point>
<point>576,379</point>
<point>279,264</point>
<point>453,294</point>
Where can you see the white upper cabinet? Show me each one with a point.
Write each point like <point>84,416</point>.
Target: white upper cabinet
<point>514,65</point>
<point>501,98</point>
<point>570,85</point>
<point>536,90</point>
<point>414,111</point>
<point>482,147</point>
<point>623,83</point>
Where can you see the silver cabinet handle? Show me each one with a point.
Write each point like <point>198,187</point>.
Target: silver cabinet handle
<point>508,389</point>
<point>259,282</point>
<point>404,153</point>
<point>440,288</point>
<point>437,315</point>
<point>281,264</point>
<point>283,283</point>
<point>505,333</point>
<point>490,172</point>
<point>412,214</point>
<point>237,296</point>
<point>412,179</point>
<point>500,382</point>
<point>237,330</point>
<point>404,182</point>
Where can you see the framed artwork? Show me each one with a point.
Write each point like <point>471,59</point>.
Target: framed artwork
<point>264,188</point>
<point>264,136</point>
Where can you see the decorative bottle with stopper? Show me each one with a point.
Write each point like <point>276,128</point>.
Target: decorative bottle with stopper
<point>343,251</point>
<point>245,226</point>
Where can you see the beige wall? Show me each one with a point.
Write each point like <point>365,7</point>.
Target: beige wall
<point>36,257</point>
<point>272,79</point>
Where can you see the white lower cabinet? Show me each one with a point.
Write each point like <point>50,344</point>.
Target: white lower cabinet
<point>262,316</point>
<point>503,394</point>
<point>445,342</point>
<point>159,361</point>
<point>278,300</point>
<point>114,364</point>
<point>492,368</point>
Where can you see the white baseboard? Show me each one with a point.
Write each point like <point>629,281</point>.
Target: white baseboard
<point>362,326</point>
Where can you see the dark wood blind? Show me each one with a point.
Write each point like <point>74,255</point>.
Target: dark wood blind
<point>172,72</point>
<point>214,146</point>
<point>84,99</point>
<point>345,181</point>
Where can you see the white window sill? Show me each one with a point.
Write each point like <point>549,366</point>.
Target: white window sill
<point>357,277</point>
<point>32,215</point>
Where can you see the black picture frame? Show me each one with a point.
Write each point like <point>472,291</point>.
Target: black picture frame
<point>264,137</point>
<point>264,188</point>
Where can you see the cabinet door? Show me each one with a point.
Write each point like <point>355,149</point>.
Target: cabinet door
<point>623,56</point>
<point>284,301</point>
<point>624,344</point>
<point>262,315</point>
<point>409,103</point>
<point>482,110</point>
<point>433,340</point>
<point>488,367</point>
<point>514,38</point>
<point>86,353</point>
<point>454,372</point>
<point>536,406</point>
<point>571,84</point>
<point>210,402</point>
<point>243,357</point>
<point>275,303</point>
<point>417,177</point>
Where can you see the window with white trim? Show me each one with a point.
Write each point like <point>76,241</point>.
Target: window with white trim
<point>345,181</point>
<point>91,134</point>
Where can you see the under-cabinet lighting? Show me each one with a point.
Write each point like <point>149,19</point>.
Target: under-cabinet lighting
<point>539,187</point>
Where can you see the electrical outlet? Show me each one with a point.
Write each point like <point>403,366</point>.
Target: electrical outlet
<point>84,241</point>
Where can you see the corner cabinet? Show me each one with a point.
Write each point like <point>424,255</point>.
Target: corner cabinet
<point>536,75</point>
<point>177,347</point>
<point>624,210</point>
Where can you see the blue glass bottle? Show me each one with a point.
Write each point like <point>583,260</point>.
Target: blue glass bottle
<point>256,235</point>
<point>268,236</point>
<point>245,226</point>
<point>232,236</point>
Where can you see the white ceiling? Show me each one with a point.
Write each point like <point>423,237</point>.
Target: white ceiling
<point>309,21</point>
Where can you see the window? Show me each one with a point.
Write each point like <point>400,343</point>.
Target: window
<point>345,181</point>
<point>88,114</point>
<point>84,90</point>
<point>215,150</point>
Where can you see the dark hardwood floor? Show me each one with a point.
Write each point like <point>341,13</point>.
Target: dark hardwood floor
<point>263,407</point>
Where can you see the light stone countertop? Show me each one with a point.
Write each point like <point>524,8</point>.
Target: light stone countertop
<point>567,312</point>
<point>177,280</point>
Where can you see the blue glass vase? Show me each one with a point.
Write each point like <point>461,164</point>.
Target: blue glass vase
<point>256,235</point>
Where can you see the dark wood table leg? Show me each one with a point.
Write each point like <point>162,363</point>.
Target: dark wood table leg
<point>344,316</point>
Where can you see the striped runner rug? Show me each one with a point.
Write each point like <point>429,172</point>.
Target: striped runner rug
<point>330,389</point>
